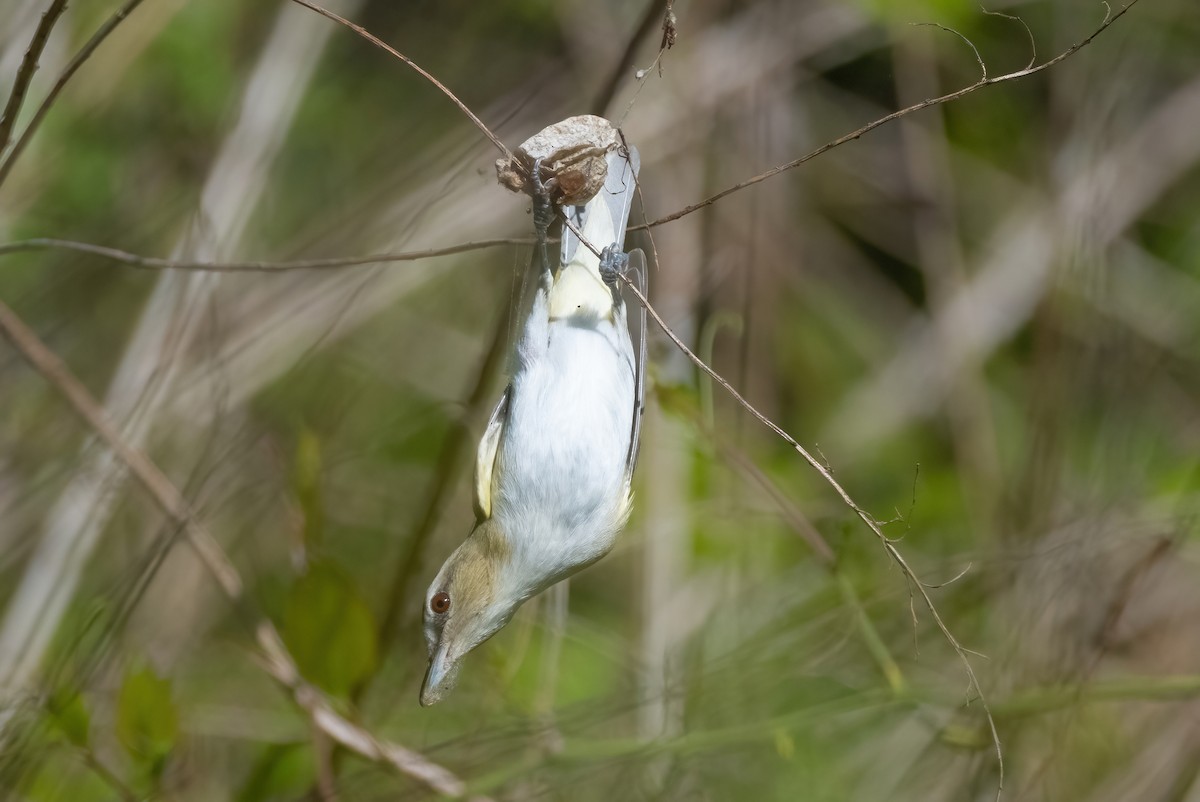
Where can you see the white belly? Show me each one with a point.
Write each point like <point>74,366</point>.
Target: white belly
<point>561,487</point>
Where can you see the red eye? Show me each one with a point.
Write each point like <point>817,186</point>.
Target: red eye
<point>440,602</point>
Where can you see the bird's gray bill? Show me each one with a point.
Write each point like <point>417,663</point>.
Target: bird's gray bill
<point>439,678</point>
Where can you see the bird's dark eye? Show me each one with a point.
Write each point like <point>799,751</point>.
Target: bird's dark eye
<point>440,602</point>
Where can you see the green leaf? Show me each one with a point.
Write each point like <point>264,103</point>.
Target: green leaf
<point>69,716</point>
<point>282,771</point>
<point>330,630</point>
<point>147,720</point>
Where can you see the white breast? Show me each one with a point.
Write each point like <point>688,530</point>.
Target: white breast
<point>561,490</point>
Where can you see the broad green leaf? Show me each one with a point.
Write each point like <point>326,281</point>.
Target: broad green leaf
<point>330,630</point>
<point>147,720</point>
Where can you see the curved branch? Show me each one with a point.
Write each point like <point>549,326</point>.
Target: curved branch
<point>895,115</point>
<point>29,65</point>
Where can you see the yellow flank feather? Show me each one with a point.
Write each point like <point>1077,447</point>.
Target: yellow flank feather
<point>485,460</point>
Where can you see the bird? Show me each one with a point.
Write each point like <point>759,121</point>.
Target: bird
<point>554,467</point>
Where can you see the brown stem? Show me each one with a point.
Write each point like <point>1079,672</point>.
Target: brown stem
<point>29,65</point>
<point>155,263</point>
<point>83,55</point>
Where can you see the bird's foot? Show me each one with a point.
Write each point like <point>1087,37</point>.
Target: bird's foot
<point>543,210</point>
<point>613,264</point>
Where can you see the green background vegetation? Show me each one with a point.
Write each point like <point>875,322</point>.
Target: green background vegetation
<point>985,316</point>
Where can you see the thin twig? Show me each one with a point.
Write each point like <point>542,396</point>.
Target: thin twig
<point>336,262</point>
<point>155,263</point>
<point>278,663</point>
<point>282,668</point>
<point>970,44</point>
<point>29,65</point>
<point>83,55</point>
<point>862,514</point>
<point>871,126</point>
<point>888,546</point>
<point>605,96</point>
<point>1028,31</point>
<point>375,40</point>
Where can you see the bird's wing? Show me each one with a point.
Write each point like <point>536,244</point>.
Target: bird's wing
<point>639,276</point>
<point>485,458</point>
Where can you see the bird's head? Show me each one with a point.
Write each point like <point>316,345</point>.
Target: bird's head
<point>467,603</point>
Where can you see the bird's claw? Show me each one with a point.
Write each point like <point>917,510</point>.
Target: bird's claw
<point>543,213</point>
<point>613,264</point>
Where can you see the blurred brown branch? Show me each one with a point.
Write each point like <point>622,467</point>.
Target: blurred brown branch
<point>29,65</point>
<point>156,263</point>
<point>83,55</point>
<point>276,660</point>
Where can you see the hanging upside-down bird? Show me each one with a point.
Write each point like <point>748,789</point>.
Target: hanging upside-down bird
<point>553,471</point>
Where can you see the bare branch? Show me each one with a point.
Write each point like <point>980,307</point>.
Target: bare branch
<point>83,55</point>
<point>888,546</point>
<point>29,65</point>
<point>871,126</point>
<point>279,664</point>
<point>155,263</point>
<point>966,570</point>
<point>375,40</point>
<point>337,262</point>
<point>970,44</point>
<point>1028,31</point>
<point>276,660</point>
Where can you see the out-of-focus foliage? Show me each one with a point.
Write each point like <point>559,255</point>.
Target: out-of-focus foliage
<point>983,317</point>
<point>329,629</point>
<point>147,723</point>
